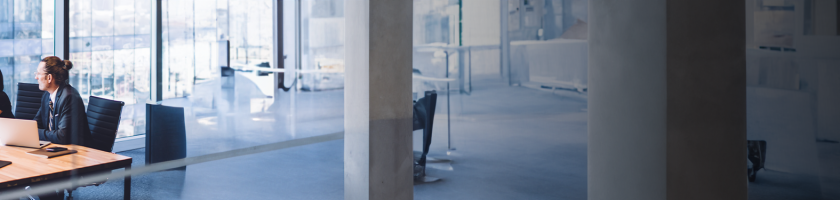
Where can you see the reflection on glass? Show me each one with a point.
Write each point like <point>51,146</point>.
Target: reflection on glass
<point>322,45</point>
<point>109,45</point>
<point>192,29</point>
<point>26,36</point>
<point>435,24</point>
<point>774,23</point>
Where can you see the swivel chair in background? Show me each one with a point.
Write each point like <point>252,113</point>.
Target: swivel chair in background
<point>424,117</point>
<point>166,134</point>
<point>103,118</point>
<point>28,101</point>
<point>756,154</point>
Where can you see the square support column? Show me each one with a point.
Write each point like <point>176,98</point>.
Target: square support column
<point>667,100</point>
<point>378,158</point>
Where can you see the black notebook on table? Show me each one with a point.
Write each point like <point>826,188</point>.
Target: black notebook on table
<point>3,163</point>
<point>47,154</point>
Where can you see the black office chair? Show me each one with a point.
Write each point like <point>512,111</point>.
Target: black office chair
<point>756,154</point>
<point>28,101</point>
<point>424,117</point>
<point>103,117</point>
<point>166,134</point>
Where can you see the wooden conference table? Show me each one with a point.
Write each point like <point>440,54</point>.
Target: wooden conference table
<point>28,169</point>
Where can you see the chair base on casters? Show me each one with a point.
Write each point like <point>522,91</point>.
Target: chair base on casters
<point>424,112</point>
<point>437,160</point>
<point>70,191</point>
<point>420,170</point>
<point>420,175</point>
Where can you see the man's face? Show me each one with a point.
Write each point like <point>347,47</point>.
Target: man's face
<point>44,79</point>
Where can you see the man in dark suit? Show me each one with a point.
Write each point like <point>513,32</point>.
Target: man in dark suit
<point>61,118</point>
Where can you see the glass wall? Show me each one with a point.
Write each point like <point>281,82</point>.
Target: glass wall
<point>109,45</point>
<point>26,36</point>
<point>538,107</point>
<point>110,42</point>
<point>322,45</point>
<point>436,38</point>
<point>792,66</point>
<point>192,31</point>
<point>231,113</point>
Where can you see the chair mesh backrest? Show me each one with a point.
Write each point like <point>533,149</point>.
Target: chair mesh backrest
<point>28,101</point>
<point>103,119</point>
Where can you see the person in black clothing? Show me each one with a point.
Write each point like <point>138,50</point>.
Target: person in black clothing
<point>5,104</point>
<point>61,118</point>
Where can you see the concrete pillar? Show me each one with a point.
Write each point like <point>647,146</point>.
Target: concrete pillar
<point>378,159</point>
<point>667,93</point>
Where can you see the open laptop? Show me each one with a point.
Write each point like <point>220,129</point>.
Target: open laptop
<point>19,132</point>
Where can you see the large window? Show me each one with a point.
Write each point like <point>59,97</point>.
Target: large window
<point>109,45</point>
<point>322,45</point>
<point>26,36</point>
<point>193,30</point>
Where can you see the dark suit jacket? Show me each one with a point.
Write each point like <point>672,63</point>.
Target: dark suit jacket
<point>70,121</point>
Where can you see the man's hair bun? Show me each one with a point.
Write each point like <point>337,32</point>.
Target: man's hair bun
<point>68,65</point>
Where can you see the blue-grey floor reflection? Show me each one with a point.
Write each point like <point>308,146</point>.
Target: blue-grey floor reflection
<point>234,112</point>
<point>512,143</point>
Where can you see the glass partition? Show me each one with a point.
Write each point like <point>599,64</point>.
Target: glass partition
<point>228,112</point>
<point>109,45</point>
<point>322,45</point>
<point>537,106</point>
<point>26,36</point>
<point>792,67</point>
<point>235,118</point>
<point>191,34</point>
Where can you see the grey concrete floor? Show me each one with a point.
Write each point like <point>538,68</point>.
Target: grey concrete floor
<point>511,143</point>
<point>823,184</point>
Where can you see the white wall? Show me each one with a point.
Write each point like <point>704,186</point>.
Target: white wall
<point>784,119</point>
<point>556,63</point>
<point>481,26</point>
<point>481,22</point>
